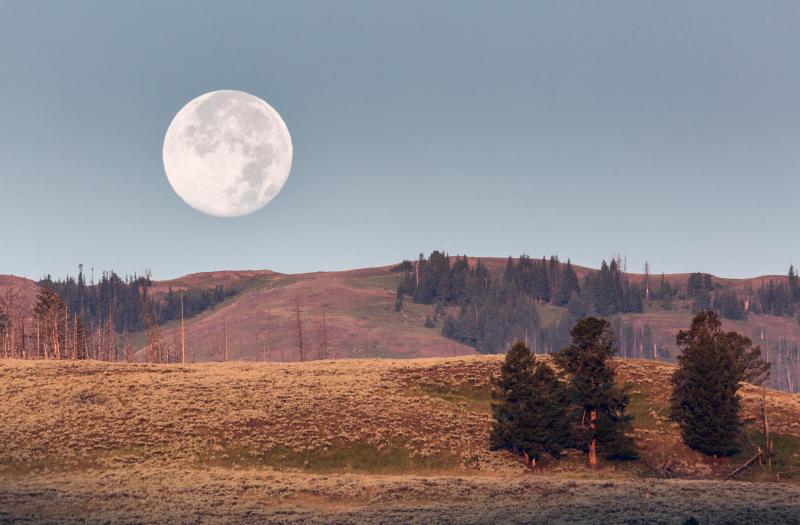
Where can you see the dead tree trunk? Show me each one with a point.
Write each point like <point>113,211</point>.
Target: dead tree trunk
<point>299,317</point>
<point>150,349</point>
<point>325,334</point>
<point>183,336</point>
<point>268,343</point>
<point>767,440</point>
<point>225,331</point>
<point>112,344</point>
<point>746,464</point>
<point>128,346</point>
<point>593,444</point>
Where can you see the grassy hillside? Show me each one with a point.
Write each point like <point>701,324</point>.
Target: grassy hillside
<point>358,306</point>
<point>316,441</point>
<point>361,322</point>
<point>374,416</point>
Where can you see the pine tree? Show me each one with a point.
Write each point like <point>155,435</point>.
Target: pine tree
<point>568,285</point>
<point>398,302</point>
<point>591,385</point>
<point>665,290</point>
<point>634,300</point>
<point>605,300</point>
<point>541,279</point>
<point>576,307</point>
<point>530,408</point>
<point>711,367</point>
<point>554,274</point>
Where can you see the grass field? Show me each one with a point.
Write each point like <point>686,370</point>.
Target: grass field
<point>345,441</point>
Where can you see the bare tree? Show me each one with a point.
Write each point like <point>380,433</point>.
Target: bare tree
<point>158,344</point>
<point>112,344</point>
<point>322,335</point>
<point>268,342</point>
<point>183,335</point>
<point>299,318</point>
<point>128,346</point>
<point>146,319</point>
<point>225,332</point>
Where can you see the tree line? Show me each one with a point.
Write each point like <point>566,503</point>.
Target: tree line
<point>493,310</point>
<point>541,410</point>
<point>73,319</point>
<point>124,300</point>
<point>489,309</point>
<point>778,298</point>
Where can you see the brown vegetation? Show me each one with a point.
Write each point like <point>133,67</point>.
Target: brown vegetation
<point>316,440</point>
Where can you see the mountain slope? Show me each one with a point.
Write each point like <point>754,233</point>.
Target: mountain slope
<point>360,321</point>
<point>357,308</point>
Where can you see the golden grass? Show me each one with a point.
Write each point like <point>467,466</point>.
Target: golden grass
<point>314,441</point>
<point>217,495</point>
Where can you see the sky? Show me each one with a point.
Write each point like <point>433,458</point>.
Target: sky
<point>662,131</point>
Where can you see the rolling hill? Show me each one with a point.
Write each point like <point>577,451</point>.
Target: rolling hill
<point>348,441</point>
<point>357,307</point>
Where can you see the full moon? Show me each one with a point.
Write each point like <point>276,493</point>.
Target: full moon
<point>227,153</point>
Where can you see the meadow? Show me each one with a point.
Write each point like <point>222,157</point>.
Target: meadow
<point>348,441</point>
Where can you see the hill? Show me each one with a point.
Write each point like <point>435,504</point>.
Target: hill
<point>357,310</point>
<point>345,441</point>
<point>360,321</point>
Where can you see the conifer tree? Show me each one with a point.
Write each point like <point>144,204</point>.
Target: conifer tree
<point>665,290</point>
<point>711,368</point>
<point>568,284</point>
<point>794,290</point>
<point>530,409</point>
<point>603,422</point>
<point>576,307</point>
<point>398,302</point>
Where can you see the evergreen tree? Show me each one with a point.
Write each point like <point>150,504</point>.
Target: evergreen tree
<point>398,303</point>
<point>794,290</point>
<point>405,266</point>
<point>568,285</point>
<point>460,275</point>
<point>634,300</point>
<point>698,282</point>
<point>530,409</point>
<point>711,367</point>
<point>665,291</point>
<point>554,275</point>
<point>608,290</point>
<point>728,304</point>
<point>576,307</point>
<point>592,388</point>
<point>541,281</point>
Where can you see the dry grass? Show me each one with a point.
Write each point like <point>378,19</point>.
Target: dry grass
<point>77,415</point>
<point>316,441</point>
<point>214,495</point>
<point>361,321</point>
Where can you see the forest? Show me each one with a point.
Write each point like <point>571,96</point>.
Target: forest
<point>489,310</point>
<point>96,320</point>
<point>125,300</point>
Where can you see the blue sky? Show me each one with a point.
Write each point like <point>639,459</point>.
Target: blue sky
<point>667,131</point>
